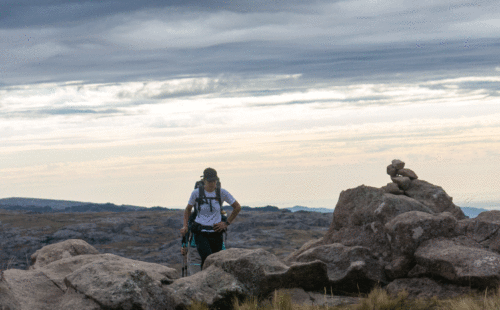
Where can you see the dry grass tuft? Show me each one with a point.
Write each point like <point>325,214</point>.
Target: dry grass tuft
<point>490,300</point>
<point>378,299</point>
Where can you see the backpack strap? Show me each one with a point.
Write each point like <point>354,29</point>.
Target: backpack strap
<point>218,195</point>
<point>201,196</point>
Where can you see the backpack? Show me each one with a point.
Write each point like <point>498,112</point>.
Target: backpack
<point>202,199</point>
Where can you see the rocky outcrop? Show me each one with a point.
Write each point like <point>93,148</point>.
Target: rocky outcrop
<point>459,264</point>
<point>79,280</point>
<point>69,275</point>
<point>236,273</point>
<point>349,268</point>
<point>408,232</point>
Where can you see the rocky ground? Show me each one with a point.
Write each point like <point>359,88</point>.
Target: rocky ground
<point>150,236</point>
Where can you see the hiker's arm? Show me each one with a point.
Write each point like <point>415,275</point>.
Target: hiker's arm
<point>187,214</point>
<point>219,227</point>
<point>236,209</point>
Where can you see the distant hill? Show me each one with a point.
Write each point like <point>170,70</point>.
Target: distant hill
<point>301,208</point>
<point>50,206</point>
<point>472,212</point>
<point>250,209</point>
<point>37,202</point>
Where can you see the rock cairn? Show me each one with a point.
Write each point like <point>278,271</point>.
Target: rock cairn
<point>401,178</point>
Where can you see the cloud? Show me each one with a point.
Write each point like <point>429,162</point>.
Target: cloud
<point>102,42</point>
<point>96,135</point>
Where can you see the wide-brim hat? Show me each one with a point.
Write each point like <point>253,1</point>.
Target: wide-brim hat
<point>210,175</point>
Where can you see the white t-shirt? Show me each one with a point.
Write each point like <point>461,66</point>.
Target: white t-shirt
<point>206,217</point>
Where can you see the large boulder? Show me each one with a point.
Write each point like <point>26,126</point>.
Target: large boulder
<point>8,301</point>
<point>484,229</point>
<point>372,236</point>
<point>59,270</point>
<point>459,264</point>
<point>364,205</point>
<point>262,272</point>
<point>349,268</point>
<point>408,230</point>
<point>433,197</point>
<point>64,279</point>
<point>394,205</point>
<point>213,286</point>
<point>239,273</point>
<point>30,289</point>
<point>53,252</point>
<point>115,282</point>
<point>356,207</point>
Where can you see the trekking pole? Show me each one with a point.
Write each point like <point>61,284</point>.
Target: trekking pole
<point>184,256</point>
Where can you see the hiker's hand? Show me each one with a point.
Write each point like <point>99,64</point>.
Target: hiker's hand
<point>184,230</point>
<point>220,227</point>
<point>184,251</point>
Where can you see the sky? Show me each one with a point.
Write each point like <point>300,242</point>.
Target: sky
<point>291,102</point>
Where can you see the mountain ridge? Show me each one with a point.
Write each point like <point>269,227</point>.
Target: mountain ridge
<point>43,205</point>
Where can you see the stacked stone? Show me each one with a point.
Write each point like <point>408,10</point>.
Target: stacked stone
<point>401,177</point>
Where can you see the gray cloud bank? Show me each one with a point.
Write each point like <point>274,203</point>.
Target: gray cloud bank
<point>111,41</point>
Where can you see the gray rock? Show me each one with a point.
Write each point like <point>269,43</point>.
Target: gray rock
<point>485,229</point>
<point>407,173</point>
<point>398,164</point>
<point>433,197</point>
<point>371,236</point>
<point>119,283</point>
<point>402,182</point>
<point>349,268</point>
<point>212,286</point>
<point>59,269</point>
<point>394,205</point>
<point>32,289</point>
<point>239,273</point>
<point>460,264</point>
<point>8,300</point>
<point>306,246</point>
<point>74,300</point>
<point>54,252</point>
<point>356,207</point>
<point>419,272</point>
<point>262,272</point>
<point>408,230</point>
<point>399,267</point>
<point>392,188</point>
<point>392,171</point>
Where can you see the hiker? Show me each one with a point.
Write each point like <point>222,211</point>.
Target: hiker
<point>193,263</point>
<point>208,225</point>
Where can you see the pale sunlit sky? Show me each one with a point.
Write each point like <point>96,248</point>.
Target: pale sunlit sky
<point>291,101</point>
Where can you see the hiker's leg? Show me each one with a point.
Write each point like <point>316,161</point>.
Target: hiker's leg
<point>216,241</point>
<point>203,246</point>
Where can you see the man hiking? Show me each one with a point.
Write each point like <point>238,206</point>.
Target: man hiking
<point>208,226</point>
